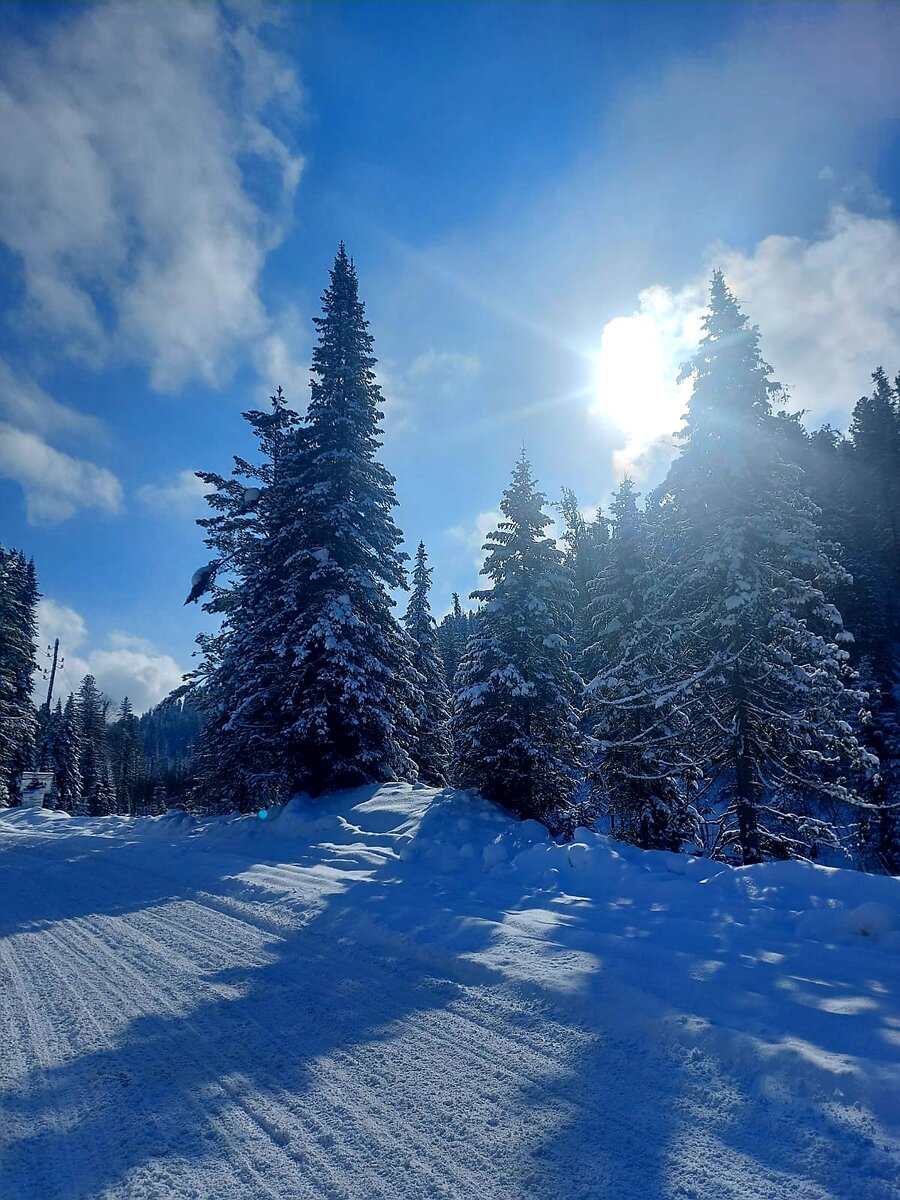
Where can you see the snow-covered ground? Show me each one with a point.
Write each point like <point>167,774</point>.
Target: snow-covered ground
<point>404,993</point>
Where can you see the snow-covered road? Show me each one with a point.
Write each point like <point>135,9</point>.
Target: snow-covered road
<point>390,998</point>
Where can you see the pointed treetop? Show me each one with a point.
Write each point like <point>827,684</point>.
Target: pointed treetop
<point>421,570</point>
<point>733,389</point>
<point>624,499</point>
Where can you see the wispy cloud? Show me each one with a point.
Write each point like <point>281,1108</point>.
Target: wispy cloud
<point>412,388</point>
<point>473,536</point>
<point>181,495</point>
<point>282,357</point>
<point>26,405</point>
<point>444,365</point>
<point>147,246</point>
<point>56,485</point>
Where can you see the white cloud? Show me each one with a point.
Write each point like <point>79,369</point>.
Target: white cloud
<point>182,495</point>
<point>473,536</point>
<point>828,311</point>
<point>26,405</point>
<point>276,362</point>
<point>125,132</point>
<point>60,621</point>
<point>125,665</point>
<point>56,485</point>
<point>431,377</point>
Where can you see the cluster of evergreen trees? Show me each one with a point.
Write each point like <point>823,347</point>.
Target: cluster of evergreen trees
<point>677,668</point>
<point>680,667</point>
<point>102,763</point>
<point>106,763</point>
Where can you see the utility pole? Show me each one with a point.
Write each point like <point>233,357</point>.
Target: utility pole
<point>52,673</point>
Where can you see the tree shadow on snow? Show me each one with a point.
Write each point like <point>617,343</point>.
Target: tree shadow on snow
<point>296,1071</point>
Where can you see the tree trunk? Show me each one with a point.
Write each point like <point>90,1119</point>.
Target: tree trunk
<point>745,783</point>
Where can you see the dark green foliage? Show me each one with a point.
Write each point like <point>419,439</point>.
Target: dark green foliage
<point>515,730</point>
<point>310,684</point>
<point>585,542</point>
<point>126,757</point>
<point>237,753</point>
<point>452,635</point>
<point>98,789</point>
<point>432,746</point>
<point>634,707</point>
<point>344,691</point>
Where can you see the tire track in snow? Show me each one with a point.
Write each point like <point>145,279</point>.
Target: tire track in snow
<point>170,995</point>
<point>35,1039</point>
<point>119,961</point>
<point>101,965</point>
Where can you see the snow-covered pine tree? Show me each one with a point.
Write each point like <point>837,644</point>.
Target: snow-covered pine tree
<point>585,544</point>
<point>237,756</point>
<point>432,747</point>
<point>98,791</point>
<point>870,486</point>
<point>873,541</point>
<point>453,633</point>
<point>169,734</point>
<point>634,704</point>
<point>67,759</point>
<point>515,725</point>
<point>878,836</point>
<point>18,628</point>
<point>769,728</point>
<point>105,802</point>
<point>346,689</point>
<point>126,756</point>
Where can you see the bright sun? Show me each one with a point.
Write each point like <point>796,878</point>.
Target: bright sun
<point>636,373</point>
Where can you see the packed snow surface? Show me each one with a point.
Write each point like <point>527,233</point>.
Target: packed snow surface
<point>406,993</point>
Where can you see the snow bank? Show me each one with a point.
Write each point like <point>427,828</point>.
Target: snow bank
<point>449,833</point>
<point>31,818</point>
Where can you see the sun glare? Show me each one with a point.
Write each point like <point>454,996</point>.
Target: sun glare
<point>636,373</point>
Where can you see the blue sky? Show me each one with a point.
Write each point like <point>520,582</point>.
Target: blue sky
<point>534,194</point>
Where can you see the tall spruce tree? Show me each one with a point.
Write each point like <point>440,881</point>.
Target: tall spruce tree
<point>871,483</point>
<point>453,633</point>
<point>515,726</point>
<point>769,730</point>
<point>432,746</point>
<point>635,704</point>
<point>585,543</point>
<point>67,759</point>
<point>126,755</point>
<point>873,544</point>
<point>98,791</point>
<point>169,734</point>
<point>344,690</point>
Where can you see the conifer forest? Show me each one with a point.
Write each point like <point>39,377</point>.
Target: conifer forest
<point>709,668</point>
<point>449,600</point>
